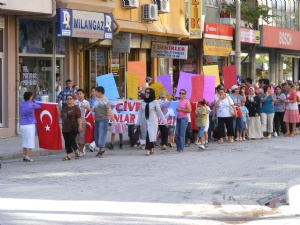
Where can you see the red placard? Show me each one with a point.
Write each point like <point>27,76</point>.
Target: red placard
<point>218,31</point>
<point>197,88</point>
<point>229,74</point>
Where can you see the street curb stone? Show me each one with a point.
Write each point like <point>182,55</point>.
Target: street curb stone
<point>293,192</point>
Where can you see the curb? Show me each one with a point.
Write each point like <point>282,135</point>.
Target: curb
<point>33,153</point>
<point>42,152</point>
<point>293,192</point>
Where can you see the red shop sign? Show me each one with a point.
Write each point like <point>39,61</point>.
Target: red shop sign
<point>218,31</point>
<point>275,37</point>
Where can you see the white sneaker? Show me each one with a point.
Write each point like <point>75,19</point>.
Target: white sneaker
<point>202,147</point>
<point>275,134</point>
<point>144,147</point>
<point>83,151</point>
<point>244,139</point>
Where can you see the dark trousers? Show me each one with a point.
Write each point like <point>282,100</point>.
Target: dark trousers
<point>70,143</point>
<point>189,133</point>
<point>149,145</point>
<point>211,125</point>
<point>131,134</point>
<point>164,133</point>
<point>227,121</point>
<point>278,120</point>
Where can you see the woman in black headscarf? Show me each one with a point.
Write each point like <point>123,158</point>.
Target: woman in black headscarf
<point>148,119</point>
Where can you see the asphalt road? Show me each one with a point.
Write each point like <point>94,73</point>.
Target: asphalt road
<point>224,184</point>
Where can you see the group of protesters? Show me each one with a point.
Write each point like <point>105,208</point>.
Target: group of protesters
<point>245,111</point>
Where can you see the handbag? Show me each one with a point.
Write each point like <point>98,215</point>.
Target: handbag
<point>136,135</point>
<point>232,112</point>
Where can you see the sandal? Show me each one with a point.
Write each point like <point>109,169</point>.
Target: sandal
<point>221,141</point>
<point>287,134</point>
<point>66,158</point>
<point>77,156</point>
<point>147,153</point>
<point>152,151</point>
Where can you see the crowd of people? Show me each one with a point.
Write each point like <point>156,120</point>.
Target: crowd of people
<point>244,112</point>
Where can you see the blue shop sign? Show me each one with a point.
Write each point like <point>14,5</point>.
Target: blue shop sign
<point>83,24</point>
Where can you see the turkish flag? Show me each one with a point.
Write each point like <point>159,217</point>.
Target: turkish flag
<point>48,127</point>
<point>89,128</point>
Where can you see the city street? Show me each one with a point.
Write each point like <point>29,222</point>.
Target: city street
<point>224,184</point>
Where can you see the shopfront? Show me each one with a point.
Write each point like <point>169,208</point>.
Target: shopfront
<point>217,44</point>
<point>280,43</point>
<point>41,57</point>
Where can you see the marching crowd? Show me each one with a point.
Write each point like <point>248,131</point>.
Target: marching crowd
<point>246,111</point>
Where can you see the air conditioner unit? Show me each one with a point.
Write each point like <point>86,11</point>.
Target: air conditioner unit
<point>3,2</point>
<point>130,4</point>
<point>163,6</point>
<point>150,12</point>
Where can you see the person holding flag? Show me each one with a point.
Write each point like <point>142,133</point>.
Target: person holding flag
<point>71,125</point>
<point>27,124</point>
<point>84,106</point>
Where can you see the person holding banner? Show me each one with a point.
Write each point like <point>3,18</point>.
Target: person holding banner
<point>224,115</point>
<point>184,108</point>
<point>70,114</point>
<point>27,124</point>
<point>148,119</point>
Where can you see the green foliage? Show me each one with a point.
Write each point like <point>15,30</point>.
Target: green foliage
<point>250,11</point>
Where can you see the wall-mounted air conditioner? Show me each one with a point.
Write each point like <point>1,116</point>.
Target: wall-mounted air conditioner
<point>150,12</point>
<point>3,2</point>
<point>130,4</point>
<point>163,6</point>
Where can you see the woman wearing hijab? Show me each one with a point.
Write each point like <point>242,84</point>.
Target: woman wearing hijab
<point>148,119</point>
<point>253,104</point>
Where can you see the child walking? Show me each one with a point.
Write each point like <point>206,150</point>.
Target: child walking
<point>245,117</point>
<point>201,121</point>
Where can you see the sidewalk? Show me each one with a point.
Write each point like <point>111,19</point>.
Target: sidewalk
<point>11,148</point>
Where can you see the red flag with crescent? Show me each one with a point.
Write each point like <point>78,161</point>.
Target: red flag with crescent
<point>48,127</point>
<point>89,128</point>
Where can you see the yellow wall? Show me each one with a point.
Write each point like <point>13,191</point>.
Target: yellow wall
<point>169,24</point>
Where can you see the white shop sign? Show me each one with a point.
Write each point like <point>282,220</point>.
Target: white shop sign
<point>169,51</point>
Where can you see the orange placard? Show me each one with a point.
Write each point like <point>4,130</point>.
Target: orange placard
<point>139,68</point>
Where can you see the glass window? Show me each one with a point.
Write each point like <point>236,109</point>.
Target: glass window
<point>35,36</point>
<point>36,76</point>
<point>99,65</point>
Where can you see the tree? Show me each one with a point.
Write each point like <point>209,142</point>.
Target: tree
<point>251,12</point>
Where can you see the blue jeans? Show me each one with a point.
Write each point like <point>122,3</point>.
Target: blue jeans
<point>239,123</point>
<point>181,125</point>
<point>100,134</point>
<point>201,132</point>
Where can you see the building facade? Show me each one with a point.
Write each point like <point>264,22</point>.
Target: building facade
<point>79,40</point>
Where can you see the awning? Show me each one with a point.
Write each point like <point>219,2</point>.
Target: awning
<point>152,29</point>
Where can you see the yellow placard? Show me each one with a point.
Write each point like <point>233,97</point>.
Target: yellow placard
<point>158,87</point>
<point>195,19</point>
<point>216,47</point>
<point>212,71</point>
<point>132,85</point>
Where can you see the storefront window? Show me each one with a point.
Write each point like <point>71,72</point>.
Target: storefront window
<point>118,70</point>
<point>99,65</point>
<point>36,54</point>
